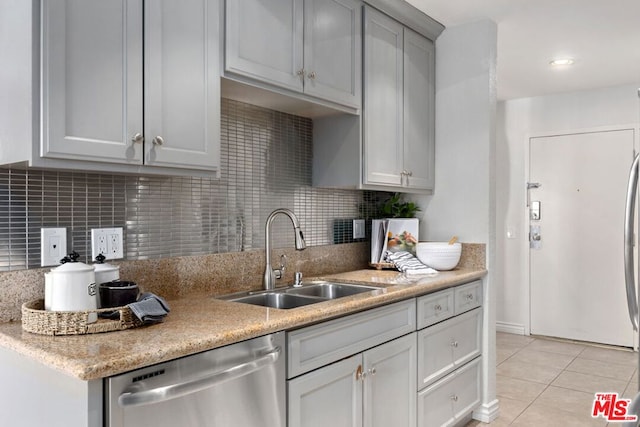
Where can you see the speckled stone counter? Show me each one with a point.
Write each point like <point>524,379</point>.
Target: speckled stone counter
<point>200,323</point>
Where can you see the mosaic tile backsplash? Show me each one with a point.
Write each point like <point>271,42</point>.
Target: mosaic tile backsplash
<point>266,164</point>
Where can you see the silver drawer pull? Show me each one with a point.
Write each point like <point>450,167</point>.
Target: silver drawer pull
<point>372,371</point>
<point>437,307</point>
<point>312,75</point>
<point>470,297</point>
<point>158,140</point>
<point>137,138</point>
<point>454,398</point>
<point>454,344</point>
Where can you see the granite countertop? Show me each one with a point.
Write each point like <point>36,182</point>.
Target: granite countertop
<point>198,324</point>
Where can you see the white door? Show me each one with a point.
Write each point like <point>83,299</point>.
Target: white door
<point>576,274</point>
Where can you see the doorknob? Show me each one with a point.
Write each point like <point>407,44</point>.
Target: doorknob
<point>535,237</point>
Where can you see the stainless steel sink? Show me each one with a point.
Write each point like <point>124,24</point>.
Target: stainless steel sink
<point>277,300</point>
<point>330,290</point>
<point>292,297</point>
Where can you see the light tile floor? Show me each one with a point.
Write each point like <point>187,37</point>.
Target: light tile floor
<point>545,382</point>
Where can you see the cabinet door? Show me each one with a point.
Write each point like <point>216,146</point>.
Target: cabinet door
<point>448,345</point>
<point>333,50</point>
<point>182,85</point>
<point>264,41</point>
<point>383,62</point>
<point>390,384</point>
<point>92,80</point>
<point>452,398</point>
<point>419,104</point>
<point>330,396</point>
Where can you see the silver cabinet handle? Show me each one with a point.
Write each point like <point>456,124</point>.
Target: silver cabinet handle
<point>454,398</point>
<point>454,344</point>
<point>300,72</point>
<point>409,173</point>
<point>137,138</point>
<point>629,269</point>
<point>360,375</point>
<point>135,395</point>
<point>372,371</point>
<point>158,140</point>
<point>470,297</point>
<point>312,75</point>
<point>437,307</point>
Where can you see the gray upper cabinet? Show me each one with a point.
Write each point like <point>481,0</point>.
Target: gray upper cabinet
<point>92,80</point>
<point>391,146</point>
<point>383,86</point>
<point>419,112</point>
<point>118,86</point>
<point>182,84</point>
<point>305,46</point>
<point>399,75</point>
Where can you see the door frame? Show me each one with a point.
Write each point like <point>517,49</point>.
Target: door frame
<point>526,264</point>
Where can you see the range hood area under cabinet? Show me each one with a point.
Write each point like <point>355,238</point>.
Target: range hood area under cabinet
<point>112,86</point>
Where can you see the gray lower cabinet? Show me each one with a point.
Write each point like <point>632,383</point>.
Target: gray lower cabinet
<point>449,353</point>
<point>124,86</point>
<point>306,46</point>
<point>450,400</point>
<point>359,370</point>
<point>373,388</point>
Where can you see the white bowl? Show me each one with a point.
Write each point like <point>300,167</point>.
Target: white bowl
<point>439,255</point>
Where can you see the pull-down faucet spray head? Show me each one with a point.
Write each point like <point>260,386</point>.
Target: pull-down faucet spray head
<point>270,275</point>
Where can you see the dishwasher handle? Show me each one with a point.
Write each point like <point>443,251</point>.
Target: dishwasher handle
<point>172,391</point>
<point>629,218</point>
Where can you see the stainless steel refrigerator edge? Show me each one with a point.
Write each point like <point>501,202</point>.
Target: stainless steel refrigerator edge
<point>629,266</point>
<point>241,384</point>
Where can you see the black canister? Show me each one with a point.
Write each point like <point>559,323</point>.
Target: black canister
<point>118,293</point>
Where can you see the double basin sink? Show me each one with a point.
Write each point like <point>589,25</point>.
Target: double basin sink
<point>309,293</point>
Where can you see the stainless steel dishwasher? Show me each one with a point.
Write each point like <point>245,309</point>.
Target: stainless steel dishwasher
<point>240,385</point>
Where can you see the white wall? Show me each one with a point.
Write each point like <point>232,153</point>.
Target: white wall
<point>463,203</point>
<point>517,120</point>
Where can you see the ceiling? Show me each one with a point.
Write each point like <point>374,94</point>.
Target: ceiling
<point>602,36</point>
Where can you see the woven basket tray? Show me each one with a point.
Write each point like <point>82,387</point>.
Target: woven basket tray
<point>37,320</point>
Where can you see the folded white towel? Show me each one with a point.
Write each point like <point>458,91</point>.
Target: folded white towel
<point>410,265</point>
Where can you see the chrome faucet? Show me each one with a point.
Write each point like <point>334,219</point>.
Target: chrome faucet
<point>270,275</point>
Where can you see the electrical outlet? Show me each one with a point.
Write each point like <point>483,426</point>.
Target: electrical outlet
<point>108,242</point>
<point>358,229</point>
<point>53,245</point>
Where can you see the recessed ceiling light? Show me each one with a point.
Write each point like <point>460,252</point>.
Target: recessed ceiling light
<point>562,61</point>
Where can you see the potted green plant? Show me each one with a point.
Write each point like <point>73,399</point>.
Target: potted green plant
<point>395,207</point>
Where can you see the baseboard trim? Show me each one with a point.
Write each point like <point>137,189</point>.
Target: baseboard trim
<point>511,328</point>
<point>487,412</point>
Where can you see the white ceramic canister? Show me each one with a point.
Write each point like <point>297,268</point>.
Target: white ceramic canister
<point>104,272</point>
<point>71,287</point>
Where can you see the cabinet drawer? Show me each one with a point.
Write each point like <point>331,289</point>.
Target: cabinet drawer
<point>435,308</point>
<point>468,297</point>
<point>448,345</point>
<point>452,398</point>
<point>318,345</point>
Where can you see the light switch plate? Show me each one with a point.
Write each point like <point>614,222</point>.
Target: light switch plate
<point>53,245</point>
<point>358,229</point>
<point>108,242</point>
